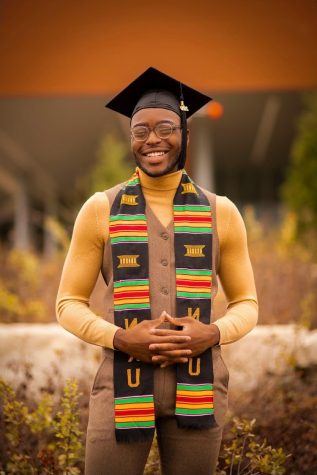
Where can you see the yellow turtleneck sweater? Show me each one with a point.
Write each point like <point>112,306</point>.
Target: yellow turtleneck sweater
<point>84,261</point>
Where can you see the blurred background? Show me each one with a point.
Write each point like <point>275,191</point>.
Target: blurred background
<point>256,143</point>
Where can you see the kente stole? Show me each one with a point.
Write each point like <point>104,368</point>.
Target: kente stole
<point>133,379</point>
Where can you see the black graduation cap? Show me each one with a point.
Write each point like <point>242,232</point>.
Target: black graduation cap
<point>154,80</point>
<point>156,89</point>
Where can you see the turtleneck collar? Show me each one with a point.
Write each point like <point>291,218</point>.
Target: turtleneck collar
<point>166,182</point>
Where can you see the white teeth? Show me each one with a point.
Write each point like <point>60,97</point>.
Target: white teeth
<point>155,154</point>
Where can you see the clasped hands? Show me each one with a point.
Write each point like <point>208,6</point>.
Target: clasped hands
<point>147,342</point>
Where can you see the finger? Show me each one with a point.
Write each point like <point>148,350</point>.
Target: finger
<point>174,321</point>
<point>182,320</point>
<point>177,320</point>
<point>157,322</point>
<point>161,359</point>
<point>170,319</point>
<point>164,332</point>
<point>163,314</point>
<point>174,353</point>
<point>177,339</point>
<point>170,363</point>
<point>165,364</point>
<point>168,346</point>
<point>162,317</point>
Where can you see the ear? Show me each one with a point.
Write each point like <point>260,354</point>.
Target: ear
<point>187,137</point>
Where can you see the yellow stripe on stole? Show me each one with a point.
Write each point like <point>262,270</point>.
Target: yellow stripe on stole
<point>135,418</point>
<point>141,405</point>
<point>123,221</point>
<point>192,224</point>
<point>128,233</point>
<point>198,290</point>
<point>194,406</point>
<point>195,393</point>
<point>192,213</point>
<point>131,287</point>
<point>131,300</point>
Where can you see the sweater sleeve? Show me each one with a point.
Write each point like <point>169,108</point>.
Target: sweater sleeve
<point>235,273</point>
<point>80,273</point>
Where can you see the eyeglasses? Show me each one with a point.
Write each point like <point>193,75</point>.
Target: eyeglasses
<point>140,133</point>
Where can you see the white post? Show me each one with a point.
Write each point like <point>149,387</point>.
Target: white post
<point>50,244</point>
<point>21,219</point>
<point>203,154</point>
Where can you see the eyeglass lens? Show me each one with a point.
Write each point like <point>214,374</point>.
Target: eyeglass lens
<point>141,132</point>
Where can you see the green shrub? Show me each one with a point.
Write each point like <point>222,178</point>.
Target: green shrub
<point>113,165</point>
<point>284,407</point>
<point>28,286</point>
<point>37,441</point>
<point>277,255</point>
<point>300,188</point>
<point>246,455</point>
<point>67,431</point>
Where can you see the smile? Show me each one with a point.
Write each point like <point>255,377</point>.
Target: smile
<point>155,154</point>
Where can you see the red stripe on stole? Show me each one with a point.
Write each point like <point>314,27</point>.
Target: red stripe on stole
<point>197,400</point>
<point>193,283</point>
<point>131,227</point>
<point>134,412</point>
<point>127,226</point>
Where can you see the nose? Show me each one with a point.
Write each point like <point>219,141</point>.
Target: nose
<point>153,138</point>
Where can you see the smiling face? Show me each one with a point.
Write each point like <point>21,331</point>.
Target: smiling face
<point>156,156</point>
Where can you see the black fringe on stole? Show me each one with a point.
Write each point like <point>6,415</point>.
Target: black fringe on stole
<point>197,423</point>
<point>134,435</point>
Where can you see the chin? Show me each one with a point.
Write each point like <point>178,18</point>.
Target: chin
<point>155,173</point>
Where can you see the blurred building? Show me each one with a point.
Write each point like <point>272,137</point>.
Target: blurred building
<point>60,61</point>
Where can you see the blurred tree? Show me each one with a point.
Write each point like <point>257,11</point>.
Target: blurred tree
<point>112,166</point>
<point>299,190</point>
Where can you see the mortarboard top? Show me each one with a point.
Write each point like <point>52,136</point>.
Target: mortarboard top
<point>152,80</point>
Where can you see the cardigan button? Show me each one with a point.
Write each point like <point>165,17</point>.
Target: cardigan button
<point>164,290</point>
<point>164,262</point>
<point>164,236</point>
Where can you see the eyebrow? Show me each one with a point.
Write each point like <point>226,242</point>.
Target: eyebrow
<point>159,122</point>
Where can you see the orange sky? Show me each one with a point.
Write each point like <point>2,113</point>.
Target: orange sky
<point>80,46</point>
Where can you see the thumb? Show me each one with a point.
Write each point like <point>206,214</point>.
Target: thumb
<point>175,321</point>
<point>161,319</point>
<point>182,320</point>
<point>163,316</point>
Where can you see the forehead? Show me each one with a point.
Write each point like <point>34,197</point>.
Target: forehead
<point>154,115</point>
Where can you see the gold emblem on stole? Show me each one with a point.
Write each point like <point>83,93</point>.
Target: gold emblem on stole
<point>195,314</point>
<point>128,261</point>
<point>194,250</point>
<point>129,200</point>
<point>136,382</point>
<point>188,188</point>
<point>191,370</point>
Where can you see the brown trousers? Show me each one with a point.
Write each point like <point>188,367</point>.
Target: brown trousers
<point>182,451</point>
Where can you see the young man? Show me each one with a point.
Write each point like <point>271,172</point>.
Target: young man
<point>161,243</point>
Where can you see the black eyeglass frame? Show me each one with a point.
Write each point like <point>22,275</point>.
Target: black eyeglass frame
<point>154,129</point>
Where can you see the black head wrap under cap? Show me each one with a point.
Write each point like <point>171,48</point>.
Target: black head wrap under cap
<point>156,89</point>
<point>158,99</point>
